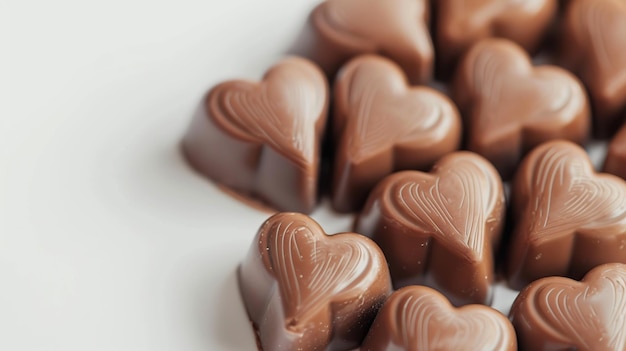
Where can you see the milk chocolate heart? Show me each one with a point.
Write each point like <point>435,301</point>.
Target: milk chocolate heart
<point>594,46</point>
<point>569,218</point>
<point>263,139</point>
<point>305,290</point>
<point>418,318</point>
<point>382,125</point>
<point>397,29</point>
<point>562,314</point>
<point>615,162</point>
<point>509,106</point>
<point>462,23</point>
<point>439,228</point>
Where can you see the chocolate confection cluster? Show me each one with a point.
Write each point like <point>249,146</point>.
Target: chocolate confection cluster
<point>415,116</point>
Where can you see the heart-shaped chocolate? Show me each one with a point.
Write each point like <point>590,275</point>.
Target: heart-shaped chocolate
<point>569,219</point>
<point>615,162</point>
<point>439,228</point>
<point>397,29</point>
<point>306,290</point>
<point>418,318</point>
<point>263,139</point>
<point>558,313</point>
<point>509,106</point>
<point>594,46</point>
<point>383,125</point>
<point>462,23</point>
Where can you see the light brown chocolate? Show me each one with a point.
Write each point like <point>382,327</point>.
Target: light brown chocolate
<point>398,29</point>
<point>558,313</point>
<point>462,23</point>
<point>305,290</point>
<point>509,106</point>
<point>569,218</point>
<point>615,162</point>
<point>418,318</point>
<point>594,46</point>
<point>383,125</point>
<point>263,139</point>
<point>439,228</point>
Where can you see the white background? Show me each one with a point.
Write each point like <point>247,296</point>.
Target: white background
<point>108,241</point>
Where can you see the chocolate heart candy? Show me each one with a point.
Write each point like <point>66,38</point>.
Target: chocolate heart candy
<point>383,125</point>
<point>462,23</point>
<point>615,162</point>
<point>418,318</point>
<point>569,218</point>
<point>263,139</point>
<point>594,46</point>
<point>439,228</point>
<point>397,29</point>
<point>509,106</point>
<point>305,290</point>
<point>562,314</point>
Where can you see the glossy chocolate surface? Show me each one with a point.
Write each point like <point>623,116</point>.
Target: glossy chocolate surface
<point>383,125</point>
<point>557,313</point>
<point>418,318</point>
<point>305,290</point>
<point>509,106</point>
<point>398,29</point>
<point>263,139</point>
<point>439,228</point>
<point>462,23</point>
<point>615,162</point>
<point>569,218</point>
<point>594,46</point>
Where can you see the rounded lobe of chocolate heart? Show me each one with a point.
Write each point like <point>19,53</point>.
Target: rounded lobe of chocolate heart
<point>397,29</point>
<point>615,162</point>
<point>558,313</point>
<point>570,219</point>
<point>263,139</point>
<point>383,125</point>
<point>304,289</point>
<point>509,106</point>
<point>418,318</point>
<point>439,228</point>
<point>594,46</point>
<point>462,23</point>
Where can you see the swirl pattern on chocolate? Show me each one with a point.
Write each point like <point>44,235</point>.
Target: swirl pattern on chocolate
<point>510,106</point>
<point>559,198</point>
<point>263,139</point>
<point>427,223</point>
<point>304,289</point>
<point>560,313</point>
<point>462,23</point>
<point>419,318</point>
<point>281,111</point>
<point>397,29</point>
<point>384,125</point>
<point>594,46</point>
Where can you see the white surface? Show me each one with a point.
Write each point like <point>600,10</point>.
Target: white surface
<point>108,241</point>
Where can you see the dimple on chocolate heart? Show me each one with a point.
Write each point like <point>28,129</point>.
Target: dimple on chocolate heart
<point>560,313</point>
